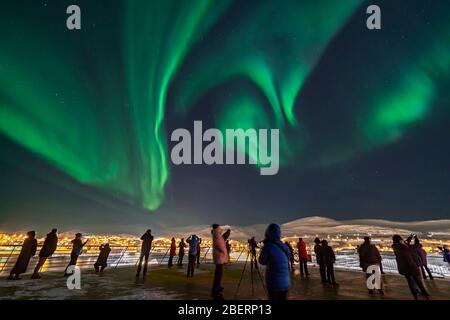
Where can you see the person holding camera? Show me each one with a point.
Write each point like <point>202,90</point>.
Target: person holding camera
<point>77,250</point>
<point>252,246</point>
<point>146,247</point>
<point>102,260</point>
<point>407,266</point>
<point>193,242</point>
<point>420,255</point>
<point>445,253</point>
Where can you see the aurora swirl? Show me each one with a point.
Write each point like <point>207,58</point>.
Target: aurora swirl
<point>94,103</point>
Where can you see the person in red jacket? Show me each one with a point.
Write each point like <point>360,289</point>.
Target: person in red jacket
<point>173,252</point>
<point>302,257</point>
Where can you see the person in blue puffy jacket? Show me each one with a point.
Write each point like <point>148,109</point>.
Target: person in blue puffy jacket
<point>275,256</point>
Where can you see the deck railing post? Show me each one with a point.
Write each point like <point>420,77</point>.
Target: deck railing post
<point>9,256</point>
<point>240,254</point>
<point>164,256</point>
<point>121,256</point>
<point>204,257</point>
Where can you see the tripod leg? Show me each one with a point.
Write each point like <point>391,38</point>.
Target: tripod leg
<point>251,277</point>
<point>261,278</point>
<point>240,280</point>
<point>262,281</point>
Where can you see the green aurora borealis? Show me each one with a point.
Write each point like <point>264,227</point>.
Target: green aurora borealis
<point>94,103</point>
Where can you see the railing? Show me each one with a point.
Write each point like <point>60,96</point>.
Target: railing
<point>350,260</point>
<point>119,256</point>
<point>129,256</point>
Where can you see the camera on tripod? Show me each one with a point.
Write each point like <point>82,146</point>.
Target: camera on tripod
<point>252,245</point>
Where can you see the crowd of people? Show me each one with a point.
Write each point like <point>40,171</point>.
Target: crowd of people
<point>276,255</point>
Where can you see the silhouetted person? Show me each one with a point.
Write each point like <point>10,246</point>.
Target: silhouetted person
<point>415,253</point>
<point>421,255</point>
<point>445,253</point>
<point>146,247</point>
<point>329,259</point>
<point>181,247</point>
<point>48,248</point>
<point>173,252</point>
<point>226,234</point>
<point>193,242</point>
<point>302,257</point>
<point>28,250</point>
<point>318,250</point>
<point>228,246</point>
<point>77,249</point>
<point>291,255</point>
<point>199,251</point>
<point>368,256</point>
<point>102,260</point>
<point>253,246</point>
<point>407,266</point>
<point>275,255</point>
<point>220,258</point>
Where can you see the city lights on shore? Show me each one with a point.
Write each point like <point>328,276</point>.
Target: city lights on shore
<point>339,242</point>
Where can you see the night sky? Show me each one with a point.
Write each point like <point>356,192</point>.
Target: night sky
<point>86,115</point>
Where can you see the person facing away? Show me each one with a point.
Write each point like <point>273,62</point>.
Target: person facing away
<point>329,259</point>
<point>446,254</point>
<point>318,250</point>
<point>102,260</point>
<point>77,249</point>
<point>226,234</point>
<point>146,247</point>
<point>291,255</point>
<point>181,247</point>
<point>193,242</point>
<point>199,250</point>
<point>253,245</point>
<point>275,256</point>
<point>407,266</point>
<point>368,256</point>
<point>48,248</point>
<point>415,254</point>
<point>421,255</point>
<point>28,250</point>
<point>173,252</point>
<point>220,257</point>
<point>303,257</point>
